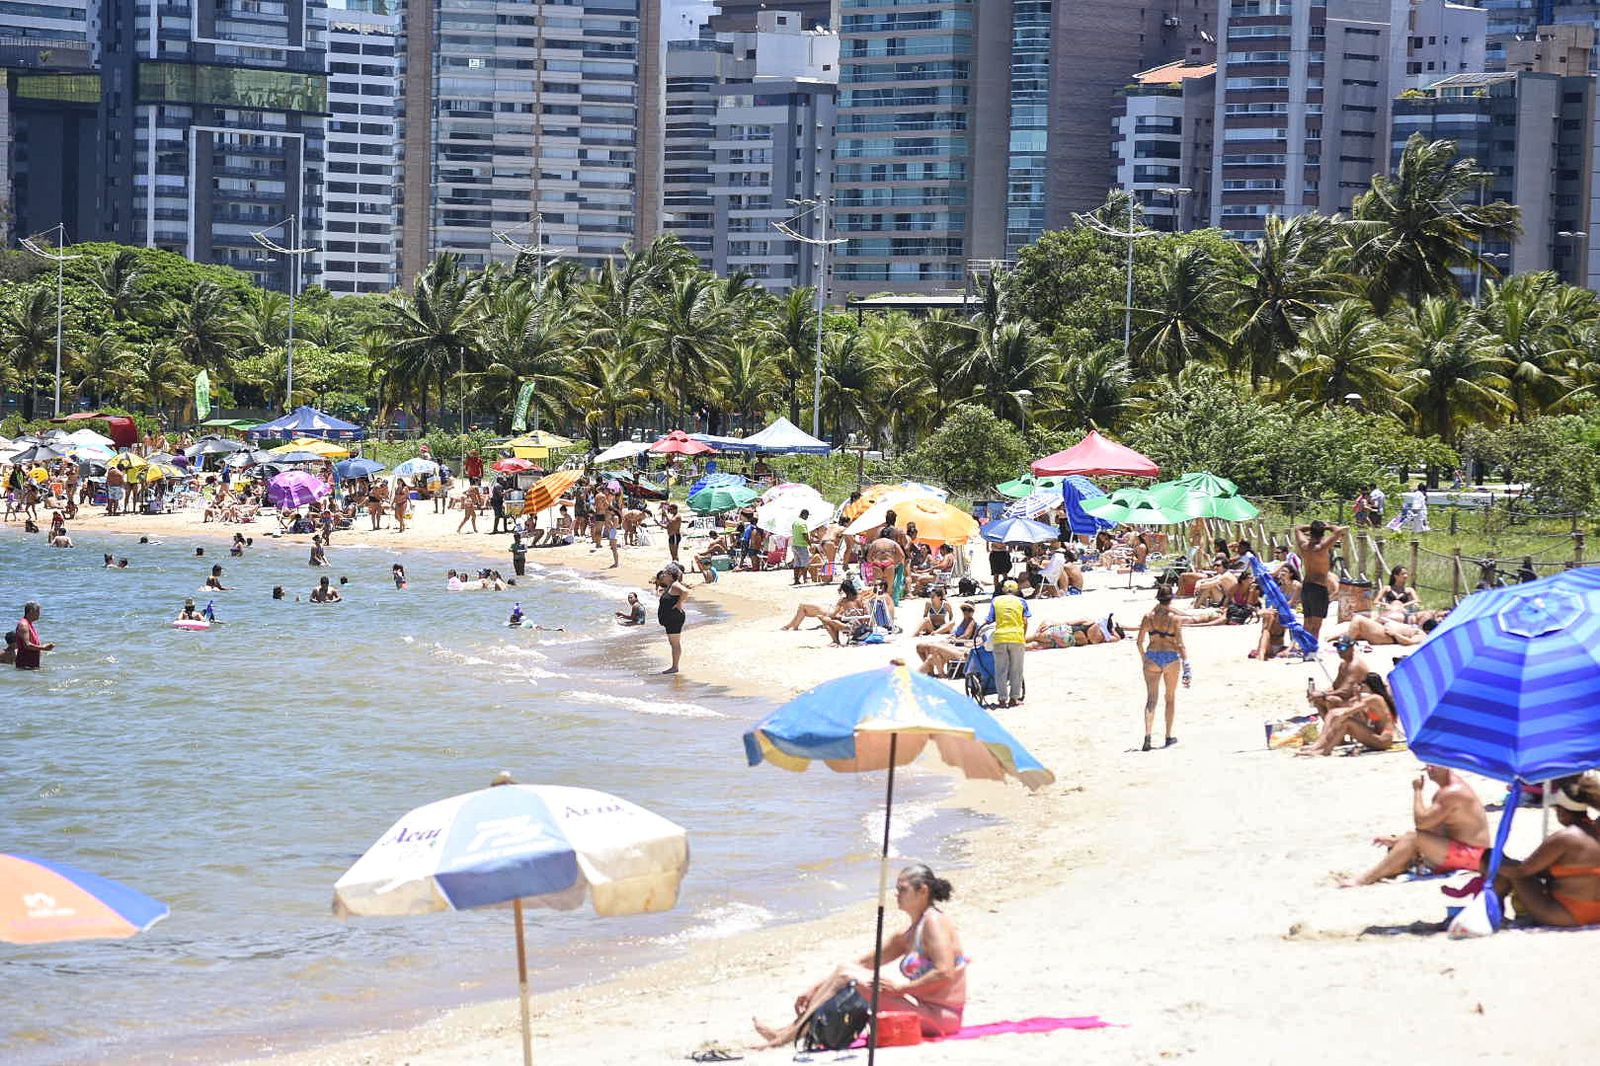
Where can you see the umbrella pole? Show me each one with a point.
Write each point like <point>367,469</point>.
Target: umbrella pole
<point>1495,907</point>
<point>522,982</point>
<point>883,888</point>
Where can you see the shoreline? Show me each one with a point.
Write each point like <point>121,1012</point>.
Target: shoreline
<point>1185,894</point>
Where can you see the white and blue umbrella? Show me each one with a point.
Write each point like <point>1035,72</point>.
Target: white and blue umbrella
<point>1018,531</point>
<point>527,845</point>
<point>350,469</point>
<point>413,467</point>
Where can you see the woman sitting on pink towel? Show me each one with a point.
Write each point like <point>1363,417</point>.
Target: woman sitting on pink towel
<point>932,982</point>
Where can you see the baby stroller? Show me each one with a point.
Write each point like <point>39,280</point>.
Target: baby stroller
<point>979,673</point>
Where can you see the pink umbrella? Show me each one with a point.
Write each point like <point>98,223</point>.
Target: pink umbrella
<point>296,488</point>
<point>513,466</point>
<point>680,443</point>
<point>1095,456</point>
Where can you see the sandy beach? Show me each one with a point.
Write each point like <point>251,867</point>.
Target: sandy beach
<point>1186,895</point>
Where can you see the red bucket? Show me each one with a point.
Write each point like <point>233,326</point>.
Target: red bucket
<point>898,1029</point>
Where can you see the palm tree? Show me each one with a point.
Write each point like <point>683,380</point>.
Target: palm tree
<point>1181,325</point>
<point>431,332</point>
<point>202,327</point>
<point>1412,228</point>
<point>1016,370</point>
<point>742,382</point>
<point>155,376</point>
<point>120,281</point>
<point>1282,283</point>
<point>687,332</point>
<point>931,375</point>
<point>96,364</point>
<point>1345,350</point>
<point>261,326</point>
<point>791,331</point>
<point>848,379</point>
<point>28,338</point>
<point>1534,327</point>
<point>524,338</point>
<point>1455,371</point>
<point>612,375</point>
<point>1093,391</point>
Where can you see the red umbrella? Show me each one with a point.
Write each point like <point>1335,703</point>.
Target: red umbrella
<point>680,443</point>
<point>513,466</point>
<point>1094,456</point>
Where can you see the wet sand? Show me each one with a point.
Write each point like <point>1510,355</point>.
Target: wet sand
<point>1186,894</point>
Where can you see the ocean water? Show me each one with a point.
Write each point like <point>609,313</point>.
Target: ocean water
<point>236,773</point>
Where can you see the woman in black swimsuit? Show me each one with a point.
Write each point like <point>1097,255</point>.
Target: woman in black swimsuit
<point>935,615</point>
<point>669,612</point>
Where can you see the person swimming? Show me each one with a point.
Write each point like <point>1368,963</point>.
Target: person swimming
<point>398,573</point>
<point>214,582</point>
<point>122,564</point>
<point>188,613</point>
<point>515,621</point>
<point>277,592</point>
<point>453,582</point>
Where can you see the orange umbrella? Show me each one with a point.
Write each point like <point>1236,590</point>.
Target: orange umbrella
<point>548,489</point>
<point>937,522</point>
<point>873,495</point>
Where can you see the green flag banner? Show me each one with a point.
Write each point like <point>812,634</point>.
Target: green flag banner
<point>202,396</point>
<point>519,413</point>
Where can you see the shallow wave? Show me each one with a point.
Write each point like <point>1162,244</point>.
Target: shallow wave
<point>667,708</point>
<point>720,921</point>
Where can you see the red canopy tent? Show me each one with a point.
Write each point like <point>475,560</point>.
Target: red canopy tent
<point>1094,456</point>
<point>680,443</point>
<point>119,428</point>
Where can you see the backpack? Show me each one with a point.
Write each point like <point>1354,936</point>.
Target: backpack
<point>966,587</point>
<point>835,1025</point>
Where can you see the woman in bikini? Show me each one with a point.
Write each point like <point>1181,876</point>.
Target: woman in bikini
<point>933,970</point>
<point>1077,634</point>
<point>1559,884</point>
<point>1368,720</point>
<point>937,617</point>
<point>1398,601</point>
<point>937,655</point>
<point>1162,655</point>
<point>402,503</point>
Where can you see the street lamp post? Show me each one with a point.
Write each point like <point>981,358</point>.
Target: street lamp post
<point>536,249</point>
<point>819,207</point>
<point>295,254</point>
<point>60,259</point>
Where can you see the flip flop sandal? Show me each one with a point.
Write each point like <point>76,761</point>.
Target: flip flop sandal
<point>714,1054</point>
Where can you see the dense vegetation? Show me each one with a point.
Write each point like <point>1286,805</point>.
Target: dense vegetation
<point>1331,351</point>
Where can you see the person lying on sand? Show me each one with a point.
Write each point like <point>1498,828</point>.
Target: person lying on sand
<point>1075,634</point>
<point>1348,683</point>
<point>937,655</point>
<point>1368,720</point>
<point>932,981</point>
<point>1385,630</point>
<point>1559,883</point>
<point>1451,833</point>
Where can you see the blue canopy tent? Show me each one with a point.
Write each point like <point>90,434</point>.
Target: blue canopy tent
<point>1508,686</point>
<point>1074,490</point>
<point>306,422</point>
<point>723,444</point>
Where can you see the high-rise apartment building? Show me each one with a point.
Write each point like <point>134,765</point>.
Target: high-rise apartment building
<point>695,70</point>
<point>534,120</point>
<point>739,16</point>
<point>1304,98</point>
<point>359,241</point>
<point>1163,144</point>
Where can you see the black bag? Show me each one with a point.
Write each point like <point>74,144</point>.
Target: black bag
<point>1238,614</point>
<point>835,1025</point>
<point>966,587</point>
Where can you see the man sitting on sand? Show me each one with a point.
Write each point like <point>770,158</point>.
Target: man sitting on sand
<point>1348,683</point>
<point>1451,833</point>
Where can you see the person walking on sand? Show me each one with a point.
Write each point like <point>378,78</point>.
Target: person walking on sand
<point>1314,544</point>
<point>402,503</point>
<point>673,521</point>
<point>800,542</point>
<point>1164,660</point>
<point>608,530</point>
<point>28,644</point>
<point>669,612</point>
<point>470,502</point>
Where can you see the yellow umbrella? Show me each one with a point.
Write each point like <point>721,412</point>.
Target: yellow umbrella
<point>540,438</point>
<point>127,461</point>
<point>937,522</point>
<point>153,472</point>
<point>870,495</point>
<point>326,449</point>
<point>547,490</point>
<point>531,453</point>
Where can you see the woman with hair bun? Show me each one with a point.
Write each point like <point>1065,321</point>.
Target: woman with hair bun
<point>1559,883</point>
<point>932,982</point>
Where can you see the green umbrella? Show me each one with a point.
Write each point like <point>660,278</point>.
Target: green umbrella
<point>1208,483</point>
<point>1026,485</point>
<point>721,498</point>
<point>1132,507</point>
<point>1205,497</point>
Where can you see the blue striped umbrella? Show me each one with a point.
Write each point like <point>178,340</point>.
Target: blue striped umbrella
<point>882,719</point>
<point>1509,687</point>
<point>1018,531</point>
<point>1272,593</point>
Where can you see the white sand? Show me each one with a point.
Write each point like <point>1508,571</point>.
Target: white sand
<point>1185,894</point>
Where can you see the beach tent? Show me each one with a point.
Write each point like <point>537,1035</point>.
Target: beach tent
<point>1095,456</point>
<point>307,422</point>
<point>783,436</point>
<point>723,444</point>
<point>123,432</point>
<point>625,449</point>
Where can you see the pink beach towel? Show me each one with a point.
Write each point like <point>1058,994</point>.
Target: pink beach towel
<point>1027,1025</point>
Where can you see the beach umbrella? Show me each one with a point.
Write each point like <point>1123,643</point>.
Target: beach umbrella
<point>512,466</point>
<point>680,443</point>
<point>1132,507</point>
<point>781,513</point>
<point>874,495</point>
<point>1508,686</point>
<point>349,469</point>
<point>41,453</point>
<point>526,845</point>
<point>626,449</point>
<point>547,490</point>
<point>1095,456</point>
<point>44,902</point>
<point>252,457</point>
<point>96,452</point>
<point>721,498</point>
<point>296,488</point>
<point>1017,531</point>
<point>154,471</point>
<point>1204,496</point>
<point>880,720</point>
<point>717,481</point>
<point>1027,485</point>
<point>325,449</point>
<point>937,522</point>
<point>925,489</point>
<point>416,467</point>
<point>787,487</point>
<point>295,456</point>
<point>89,436</point>
<point>215,446</point>
<point>126,461</point>
<point>1208,483</point>
<point>539,439</point>
<point>1272,594</point>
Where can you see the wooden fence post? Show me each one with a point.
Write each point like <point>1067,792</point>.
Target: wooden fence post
<point>1577,549</point>
<point>1380,565</point>
<point>1457,579</point>
<point>1363,549</point>
<point>1416,551</point>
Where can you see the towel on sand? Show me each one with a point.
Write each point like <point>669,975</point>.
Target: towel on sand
<point>1027,1025</point>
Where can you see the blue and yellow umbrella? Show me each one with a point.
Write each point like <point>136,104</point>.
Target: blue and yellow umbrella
<point>42,902</point>
<point>882,719</point>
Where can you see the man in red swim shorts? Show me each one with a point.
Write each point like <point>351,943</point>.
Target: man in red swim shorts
<point>1451,834</point>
